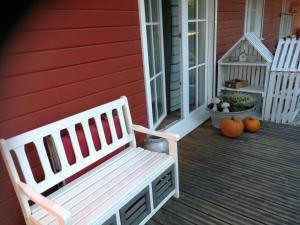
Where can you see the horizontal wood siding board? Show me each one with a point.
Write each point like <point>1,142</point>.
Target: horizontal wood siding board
<point>44,40</point>
<point>231,14</point>
<point>60,95</point>
<point>42,61</point>
<point>14,86</point>
<point>50,114</point>
<point>52,19</point>
<point>91,4</point>
<point>64,57</point>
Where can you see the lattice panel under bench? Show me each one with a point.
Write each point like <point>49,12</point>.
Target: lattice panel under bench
<point>248,61</point>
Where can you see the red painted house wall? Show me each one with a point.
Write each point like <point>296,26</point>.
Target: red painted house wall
<point>230,24</point>
<point>65,57</point>
<point>271,23</point>
<point>231,20</point>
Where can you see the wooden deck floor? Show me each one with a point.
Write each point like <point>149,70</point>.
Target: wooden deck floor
<point>251,180</point>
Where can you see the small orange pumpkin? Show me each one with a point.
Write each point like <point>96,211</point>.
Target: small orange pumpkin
<point>231,127</point>
<point>251,124</point>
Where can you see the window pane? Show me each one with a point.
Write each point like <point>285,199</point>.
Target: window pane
<point>150,53</point>
<point>192,9</point>
<point>201,42</point>
<point>201,85</point>
<point>160,92</point>
<point>157,48</point>
<point>192,43</point>
<point>155,10</point>
<point>147,10</point>
<point>202,9</point>
<point>152,84</point>
<point>192,89</point>
<point>253,4</point>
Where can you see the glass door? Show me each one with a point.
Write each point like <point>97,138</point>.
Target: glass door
<point>156,79</point>
<point>197,53</point>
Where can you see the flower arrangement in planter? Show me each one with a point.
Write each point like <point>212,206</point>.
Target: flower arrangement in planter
<point>228,105</point>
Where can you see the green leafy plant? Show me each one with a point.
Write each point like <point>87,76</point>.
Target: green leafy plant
<point>238,101</point>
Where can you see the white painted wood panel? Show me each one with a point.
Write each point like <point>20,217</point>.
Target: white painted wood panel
<point>284,89</point>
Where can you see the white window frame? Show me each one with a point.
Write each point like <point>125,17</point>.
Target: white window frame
<point>259,15</point>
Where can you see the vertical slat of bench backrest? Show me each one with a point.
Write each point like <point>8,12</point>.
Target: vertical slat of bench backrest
<point>100,131</point>
<point>88,137</point>
<point>75,143</point>
<point>56,137</point>
<point>112,126</point>
<point>53,130</point>
<point>41,150</point>
<point>24,164</point>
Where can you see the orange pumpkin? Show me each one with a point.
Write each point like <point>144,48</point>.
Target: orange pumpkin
<point>231,127</point>
<point>251,124</point>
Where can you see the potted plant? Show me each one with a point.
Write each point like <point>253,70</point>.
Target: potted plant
<point>228,105</point>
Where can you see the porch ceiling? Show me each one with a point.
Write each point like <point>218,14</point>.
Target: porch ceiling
<point>251,180</point>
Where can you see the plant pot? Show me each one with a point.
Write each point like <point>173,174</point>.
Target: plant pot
<point>156,144</point>
<point>217,117</point>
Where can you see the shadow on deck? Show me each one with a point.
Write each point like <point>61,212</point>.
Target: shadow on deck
<point>251,180</point>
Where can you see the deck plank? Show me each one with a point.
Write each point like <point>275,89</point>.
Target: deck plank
<point>252,180</point>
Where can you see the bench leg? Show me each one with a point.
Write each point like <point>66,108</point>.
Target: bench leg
<point>173,151</point>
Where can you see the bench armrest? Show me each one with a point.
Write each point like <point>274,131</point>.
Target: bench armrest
<point>62,215</point>
<point>166,135</point>
<point>173,149</point>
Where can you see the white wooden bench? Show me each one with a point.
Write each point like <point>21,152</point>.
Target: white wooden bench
<point>126,189</point>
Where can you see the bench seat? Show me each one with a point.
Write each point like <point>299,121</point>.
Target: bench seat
<point>106,188</point>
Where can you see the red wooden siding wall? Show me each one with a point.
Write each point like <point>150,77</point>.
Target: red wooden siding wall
<point>63,58</point>
<point>231,14</point>
<point>272,23</point>
<point>231,19</point>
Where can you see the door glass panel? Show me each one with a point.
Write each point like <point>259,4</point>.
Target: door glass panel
<point>201,86</point>
<point>253,6</point>
<point>192,9</point>
<point>147,11</point>
<point>150,50</point>
<point>155,10</point>
<point>201,9</point>
<point>157,48</point>
<point>201,42</point>
<point>192,43</point>
<point>155,59</point>
<point>160,98</point>
<point>197,39</point>
<point>153,97</point>
<point>192,89</point>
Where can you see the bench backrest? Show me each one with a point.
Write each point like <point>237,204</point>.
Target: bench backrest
<point>53,131</point>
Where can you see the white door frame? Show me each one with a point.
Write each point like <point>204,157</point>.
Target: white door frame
<point>147,77</point>
<point>189,120</point>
